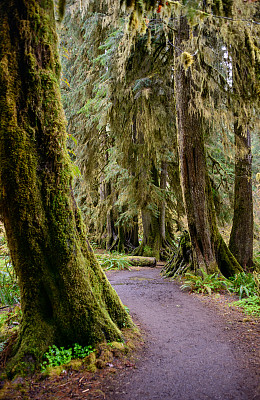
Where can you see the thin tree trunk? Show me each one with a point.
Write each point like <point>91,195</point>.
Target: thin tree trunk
<point>163,183</point>
<point>241,238</point>
<point>152,240</point>
<point>210,251</point>
<point>65,296</point>
<point>133,235</point>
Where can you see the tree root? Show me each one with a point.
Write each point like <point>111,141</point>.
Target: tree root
<point>182,260</point>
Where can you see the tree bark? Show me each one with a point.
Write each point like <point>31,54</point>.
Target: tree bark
<point>163,183</point>
<point>210,251</point>
<point>65,296</point>
<point>241,238</point>
<point>133,233</point>
<point>152,240</point>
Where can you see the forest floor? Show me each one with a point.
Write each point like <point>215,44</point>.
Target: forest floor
<point>194,348</point>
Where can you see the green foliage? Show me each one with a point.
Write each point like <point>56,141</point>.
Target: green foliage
<point>244,284</point>
<point>59,356</point>
<point>113,261</point>
<point>247,285</point>
<point>251,305</point>
<point>204,283</point>
<point>9,289</point>
<point>3,339</point>
<point>9,324</point>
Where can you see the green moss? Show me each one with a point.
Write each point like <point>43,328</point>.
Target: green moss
<point>117,345</point>
<point>54,371</point>
<point>65,296</point>
<point>90,359</point>
<point>74,364</point>
<point>92,368</point>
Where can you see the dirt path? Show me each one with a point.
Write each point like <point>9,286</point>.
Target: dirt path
<point>190,354</point>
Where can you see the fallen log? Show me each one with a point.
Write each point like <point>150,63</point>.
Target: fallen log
<point>142,261</point>
<point>136,261</point>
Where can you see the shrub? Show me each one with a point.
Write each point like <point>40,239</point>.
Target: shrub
<point>56,356</point>
<point>244,284</point>
<point>203,284</point>
<point>250,305</point>
<point>113,261</point>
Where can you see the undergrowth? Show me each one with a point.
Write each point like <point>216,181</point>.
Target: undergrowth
<point>251,305</point>
<point>203,283</point>
<point>9,289</point>
<point>113,261</point>
<point>245,285</point>
<point>56,356</point>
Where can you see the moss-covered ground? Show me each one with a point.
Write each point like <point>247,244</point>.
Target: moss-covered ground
<point>78,379</point>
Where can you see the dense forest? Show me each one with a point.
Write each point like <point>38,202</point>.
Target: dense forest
<point>163,109</point>
<point>131,126</point>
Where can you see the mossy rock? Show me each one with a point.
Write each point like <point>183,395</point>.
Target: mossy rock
<point>90,359</point>
<point>118,345</point>
<point>101,364</point>
<point>54,371</point>
<point>74,364</point>
<point>130,345</point>
<point>92,368</point>
<point>105,355</point>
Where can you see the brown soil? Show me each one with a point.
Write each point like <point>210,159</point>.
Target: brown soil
<point>196,348</point>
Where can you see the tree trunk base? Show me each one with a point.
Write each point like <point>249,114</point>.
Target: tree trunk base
<point>165,251</point>
<point>182,260</point>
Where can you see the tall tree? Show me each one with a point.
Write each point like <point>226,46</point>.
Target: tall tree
<point>241,237</point>
<point>210,250</point>
<point>191,87</point>
<point>65,296</point>
<point>245,61</point>
<point>136,115</point>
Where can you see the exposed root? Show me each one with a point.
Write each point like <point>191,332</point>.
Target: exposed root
<point>182,260</point>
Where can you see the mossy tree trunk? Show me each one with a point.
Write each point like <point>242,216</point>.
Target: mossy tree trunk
<point>152,239</point>
<point>133,232</point>
<point>245,90</point>
<point>163,184</point>
<point>210,250</point>
<point>110,231</point>
<point>241,238</point>
<point>65,296</point>
<point>156,241</point>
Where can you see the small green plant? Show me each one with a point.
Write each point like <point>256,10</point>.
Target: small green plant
<point>81,352</point>
<point>113,261</point>
<point>59,356</point>
<point>250,305</point>
<point>204,283</point>
<point>244,284</point>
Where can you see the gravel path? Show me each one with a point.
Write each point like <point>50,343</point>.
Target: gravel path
<point>189,355</point>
